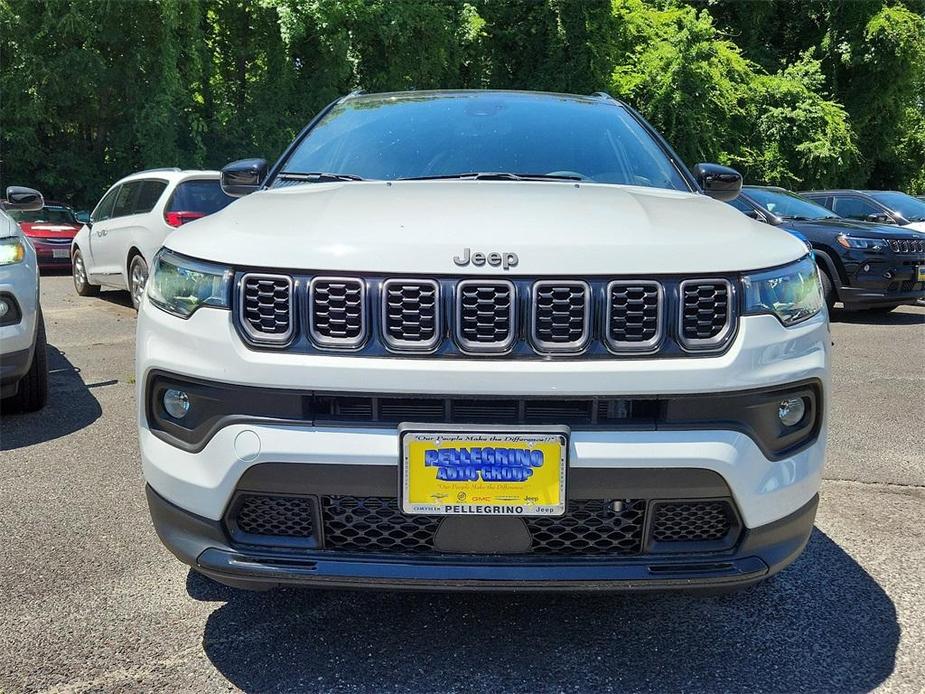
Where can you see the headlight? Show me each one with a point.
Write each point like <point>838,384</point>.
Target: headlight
<point>12,250</point>
<point>181,285</point>
<point>793,293</point>
<point>875,245</point>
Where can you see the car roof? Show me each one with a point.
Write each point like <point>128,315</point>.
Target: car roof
<point>170,175</point>
<point>597,97</point>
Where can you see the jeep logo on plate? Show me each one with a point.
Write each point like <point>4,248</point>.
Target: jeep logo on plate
<point>505,259</point>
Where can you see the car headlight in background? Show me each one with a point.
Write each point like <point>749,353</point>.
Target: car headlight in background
<point>875,245</point>
<point>12,250</point>
<point>793,293</point>
<point>180,285</point>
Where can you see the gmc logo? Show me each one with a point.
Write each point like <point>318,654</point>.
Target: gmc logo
<point>505,259</point>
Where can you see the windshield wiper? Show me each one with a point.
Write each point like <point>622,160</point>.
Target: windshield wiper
<point>495,176</point>
<point>318,176</point>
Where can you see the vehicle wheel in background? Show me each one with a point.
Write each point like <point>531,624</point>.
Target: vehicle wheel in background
<point>137,279</point>
<point>828,291</point>
<point>33,387</point>
<point>81,279</point>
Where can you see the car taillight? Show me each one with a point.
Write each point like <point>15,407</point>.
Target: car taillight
<point>176,219</point>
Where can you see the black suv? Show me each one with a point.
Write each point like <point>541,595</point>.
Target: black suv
<point>864,265</point>
<point>881,206</point>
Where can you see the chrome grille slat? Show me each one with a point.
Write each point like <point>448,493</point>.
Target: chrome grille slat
<point>336,312</point>
<point>635,315</point>
<point>706,315</point>
<point>265,306</point>
<point>561,315</point>
<point>410,314</point>
<point>486,314</point>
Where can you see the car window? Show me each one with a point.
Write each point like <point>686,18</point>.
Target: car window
<point>202,196</point>
<point>125,200</point>
<point>788,205</point>
<point>853,207</point>
<point>103,210</point>
<point>434,135</point>
<point>148,195</point>
<point>906,205</point>
<point>48,215</point>
<point>741,205</point>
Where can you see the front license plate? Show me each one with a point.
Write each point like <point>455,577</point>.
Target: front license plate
<point>60,253</point>
<point>452,473</point>
<point>920,274</point>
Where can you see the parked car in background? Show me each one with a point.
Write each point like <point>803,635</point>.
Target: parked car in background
<point>131,221</point>
<point>863,265</point>
<point>23,358</point>
<point>882,206</point>
<point>50,229</point>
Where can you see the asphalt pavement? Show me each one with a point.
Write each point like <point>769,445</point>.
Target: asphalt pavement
<point>90,600</point>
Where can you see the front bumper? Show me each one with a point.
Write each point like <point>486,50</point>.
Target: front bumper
<point>203,544</point>
<point>882,281</point>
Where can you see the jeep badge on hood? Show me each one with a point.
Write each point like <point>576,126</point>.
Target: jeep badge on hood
<point>506,260</point>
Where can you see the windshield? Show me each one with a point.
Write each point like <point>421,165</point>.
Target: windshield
<point>788,205</point>
<point>47,215</point>
<point>909,207</point>
<point>444,135</point>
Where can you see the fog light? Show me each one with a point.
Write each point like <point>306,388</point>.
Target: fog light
<point>791,411</point>
<point>176,403</point>
<point>4,308</point>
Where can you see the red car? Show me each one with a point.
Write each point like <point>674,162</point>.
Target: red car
<point>51,231</point>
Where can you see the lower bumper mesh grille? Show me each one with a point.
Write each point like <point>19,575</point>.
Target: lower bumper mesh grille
<point>590,527</point>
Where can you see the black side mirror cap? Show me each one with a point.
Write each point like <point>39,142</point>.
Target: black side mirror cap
<point>719,182</point>
<point>243,177</point>
<point>25,199</point>
<point>881,218</point>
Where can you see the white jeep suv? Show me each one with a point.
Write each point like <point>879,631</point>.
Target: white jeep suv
<point>482,340</point>
<point>129,224</point>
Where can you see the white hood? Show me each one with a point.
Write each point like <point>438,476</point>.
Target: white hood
<point>420,226</point>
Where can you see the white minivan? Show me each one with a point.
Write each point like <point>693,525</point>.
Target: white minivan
<point>131,221</point>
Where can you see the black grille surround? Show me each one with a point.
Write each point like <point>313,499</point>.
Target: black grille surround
<point>706,314</point>
<point>376,525</point>
<point>494,318</point>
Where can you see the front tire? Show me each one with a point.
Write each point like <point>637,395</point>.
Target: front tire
<point>828,290</point>
<point>137,279</point>
<point>33,387</point>
<point>81,279</point>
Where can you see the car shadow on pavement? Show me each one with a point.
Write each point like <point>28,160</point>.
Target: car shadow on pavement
<point>71,407</point>
<point>822,625</point>
<point>897,317</point>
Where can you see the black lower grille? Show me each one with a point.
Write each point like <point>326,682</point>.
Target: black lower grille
<point>695,521</point>
<point>590,527</point>
<point>373,523</point>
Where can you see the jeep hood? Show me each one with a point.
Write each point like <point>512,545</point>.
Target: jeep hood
<point>420,226</point>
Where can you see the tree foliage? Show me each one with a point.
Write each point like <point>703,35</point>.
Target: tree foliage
<point>802,94</point>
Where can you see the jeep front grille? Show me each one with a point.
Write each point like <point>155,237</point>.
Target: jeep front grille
<point>410,314</point>
<point>337,312</point>
<point>706,313</point>
<point>634,319</point>
<point>518,318</point>
<point>266,307</point>
<point>486,313</point>
<point>561,319</point>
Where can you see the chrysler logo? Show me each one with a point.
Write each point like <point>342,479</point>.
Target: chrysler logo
<point>503,259</point>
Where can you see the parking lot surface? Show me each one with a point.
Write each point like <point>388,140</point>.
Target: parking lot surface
<point>90,601</point>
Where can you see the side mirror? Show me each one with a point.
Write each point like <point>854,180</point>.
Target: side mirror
<point>25,199</point>
<point>880,218</point>
<point>756,215</point>
<point>719,182</point>
<point>243,177</point>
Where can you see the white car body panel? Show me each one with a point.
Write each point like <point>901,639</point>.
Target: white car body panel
<point>554,227</point>
<point>916,226</point>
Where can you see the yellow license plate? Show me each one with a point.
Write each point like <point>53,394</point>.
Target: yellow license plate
<point>451,473</point>
<point>920,275</point>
